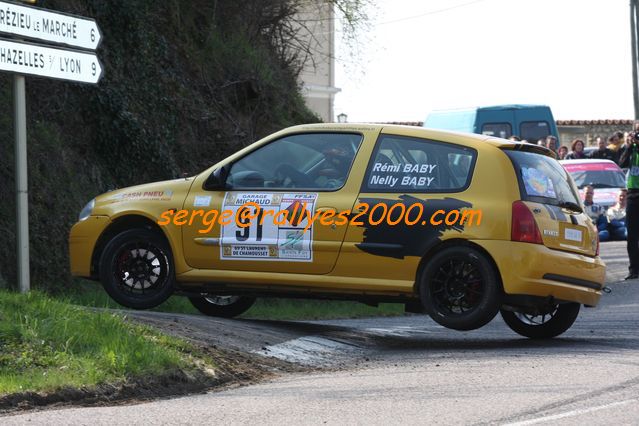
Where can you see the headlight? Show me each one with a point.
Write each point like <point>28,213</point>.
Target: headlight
<point>86,211</point>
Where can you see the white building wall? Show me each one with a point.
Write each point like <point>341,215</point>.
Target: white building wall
<point>317,21</point>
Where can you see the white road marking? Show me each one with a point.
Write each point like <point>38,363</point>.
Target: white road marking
<point>396,331</point>
<point>318,350</point>
<point>572,413</point>
<point>311,351</point>
<point>632,305</point>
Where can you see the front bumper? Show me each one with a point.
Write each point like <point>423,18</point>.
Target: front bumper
<point>82,241</point>
<point>535,270</point>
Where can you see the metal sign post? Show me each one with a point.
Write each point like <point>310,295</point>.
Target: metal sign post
<point>22,189</point>
<point>20,57</point>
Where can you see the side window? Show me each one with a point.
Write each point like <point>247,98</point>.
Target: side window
<point>500,130</point>
<point>317,161</point>
<point>406,164</point>
<point>534,130</point>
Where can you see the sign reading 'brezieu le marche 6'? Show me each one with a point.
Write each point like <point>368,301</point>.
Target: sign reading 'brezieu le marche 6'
<point>27,58</point>
<point>41,24</point>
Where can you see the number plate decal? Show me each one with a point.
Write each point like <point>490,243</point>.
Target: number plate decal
<point>276,233</point>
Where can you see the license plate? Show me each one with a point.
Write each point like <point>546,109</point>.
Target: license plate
<point>573,234</point>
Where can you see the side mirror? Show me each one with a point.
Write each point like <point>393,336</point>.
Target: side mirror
<point>217,179</point>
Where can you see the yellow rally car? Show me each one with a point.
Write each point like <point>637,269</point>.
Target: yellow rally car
<point>457,225</point>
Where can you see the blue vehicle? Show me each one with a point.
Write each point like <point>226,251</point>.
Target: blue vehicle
<point>529,122</point>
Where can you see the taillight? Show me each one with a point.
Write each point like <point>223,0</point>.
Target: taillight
<point>524,227</point>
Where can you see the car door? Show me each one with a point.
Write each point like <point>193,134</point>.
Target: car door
<point>267,204</point>
<point>408,180</point>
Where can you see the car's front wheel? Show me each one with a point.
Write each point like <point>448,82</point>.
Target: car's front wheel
<point>460,288</point>
<point>222,306</point>
<point>136,269</point>
<point>544,325</point>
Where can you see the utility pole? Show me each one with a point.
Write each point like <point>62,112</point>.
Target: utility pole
<point>634,21</point>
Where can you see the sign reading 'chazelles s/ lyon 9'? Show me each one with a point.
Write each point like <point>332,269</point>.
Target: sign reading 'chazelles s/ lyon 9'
<point>27,58</point>
<point>41,24</point>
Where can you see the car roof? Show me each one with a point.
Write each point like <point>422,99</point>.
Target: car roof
<point>594,164</point>
<point>471,139</point>
<point>586,161</point>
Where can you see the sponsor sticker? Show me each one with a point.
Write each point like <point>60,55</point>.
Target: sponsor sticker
<point>202,201</point>
<point>144,195</point>
<point>274,233</point>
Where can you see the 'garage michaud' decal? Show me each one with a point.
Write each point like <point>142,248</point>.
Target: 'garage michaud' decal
<point>402,240</point>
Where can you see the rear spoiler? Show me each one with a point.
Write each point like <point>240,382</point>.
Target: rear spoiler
<point>529,147</point>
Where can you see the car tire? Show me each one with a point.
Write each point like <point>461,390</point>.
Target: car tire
<point>222,306</point>
<point>460,288</point>
<point>136,269</point>
<point>542,326</point>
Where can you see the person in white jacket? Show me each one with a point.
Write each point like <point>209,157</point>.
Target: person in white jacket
<point>617,217</point>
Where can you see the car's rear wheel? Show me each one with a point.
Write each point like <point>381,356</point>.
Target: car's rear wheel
<point>222,306</point>
<point>136,269</point>
<point>460,289</point>
<point>543,325</point>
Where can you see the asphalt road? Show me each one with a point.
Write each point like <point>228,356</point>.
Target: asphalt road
<point>410,370</point>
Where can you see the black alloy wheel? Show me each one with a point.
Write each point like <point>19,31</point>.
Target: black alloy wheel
<point>136,269</point>
<point>222,306</point>
<point>542,325</point>
<point>460,288</point>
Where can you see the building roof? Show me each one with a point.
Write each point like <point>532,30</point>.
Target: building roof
<point>623,122</point>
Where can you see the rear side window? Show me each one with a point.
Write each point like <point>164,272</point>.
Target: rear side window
<point>499,130</point>
<point>534,130</point>
<point>406,164</point>
<point>542,179</point>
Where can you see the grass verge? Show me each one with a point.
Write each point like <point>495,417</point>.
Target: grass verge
<point>47,344</point>
<point>92,294</point>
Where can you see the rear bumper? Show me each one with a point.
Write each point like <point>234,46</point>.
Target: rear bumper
<point>535,270</point>
<point>82,241</point>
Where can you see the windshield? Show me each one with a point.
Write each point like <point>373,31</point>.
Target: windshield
<point>543,180</point>
<point>599,178</point>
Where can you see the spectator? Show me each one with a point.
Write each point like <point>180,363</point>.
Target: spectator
<point>577,153</point>
<point>602,153</point>
<point>562,152</point>
<point>617,218</point>
<point>596,213</point>
<point>623,150</point>
<point>551,143</point>
<point>614,145</point>
<point>515,138</point>
<point>541,142</point>
<point>630,160</point>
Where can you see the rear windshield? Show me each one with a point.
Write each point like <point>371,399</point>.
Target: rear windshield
<point>533,130</point>
<point>542,179</point>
